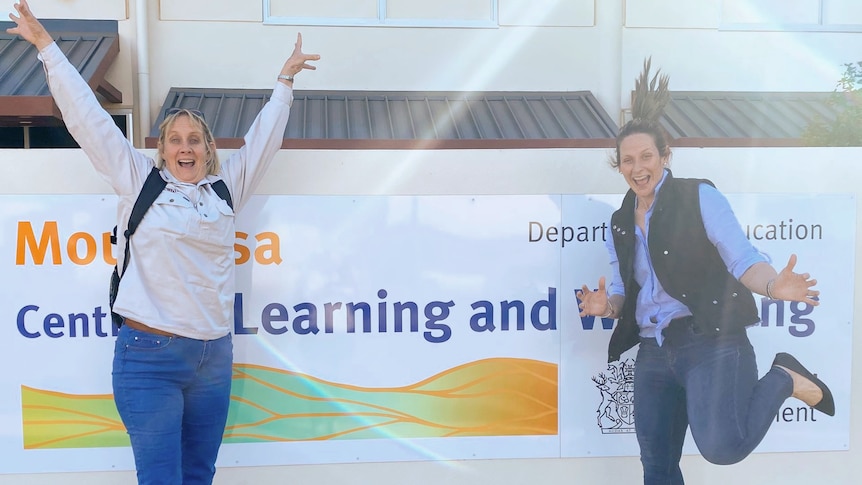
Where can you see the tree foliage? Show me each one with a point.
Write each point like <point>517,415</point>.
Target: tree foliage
<point>845,129</point>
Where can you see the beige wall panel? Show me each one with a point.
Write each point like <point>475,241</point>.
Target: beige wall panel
<point>842,12</point>
<point>548,13</point>
<point>439,9</point>
<point>380,58</point>
<point>683,14</point>
<point>122,71</point>
<point>347,9</point>
<point>704,60</point>
<point>223,10</point>
<point>770,11</point>
<point>75,9</point>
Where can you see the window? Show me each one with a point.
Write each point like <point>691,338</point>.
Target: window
<point>383,13</point>
<point>50,136</point>
<point>11,137</point>
<point>792,15</point>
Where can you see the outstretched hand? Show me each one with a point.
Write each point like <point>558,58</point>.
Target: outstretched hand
<point>790,286</point>
<point>28,26</point>
<point>593,302</point>
<point>298,60</point>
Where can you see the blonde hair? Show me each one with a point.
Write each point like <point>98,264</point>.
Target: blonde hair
<point>212,161</point>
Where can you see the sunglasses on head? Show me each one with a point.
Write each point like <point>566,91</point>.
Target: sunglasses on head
<point>173,111</point>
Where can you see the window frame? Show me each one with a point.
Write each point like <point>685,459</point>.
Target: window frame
<point>789,27</point>
<point>381,21</point>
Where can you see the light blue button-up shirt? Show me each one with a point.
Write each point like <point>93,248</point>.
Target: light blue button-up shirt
<point>655,308</point>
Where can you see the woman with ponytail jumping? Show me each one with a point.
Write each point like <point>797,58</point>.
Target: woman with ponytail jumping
<point>682,277</point>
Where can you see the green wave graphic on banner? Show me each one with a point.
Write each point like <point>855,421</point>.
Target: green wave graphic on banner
<point>491,397</point>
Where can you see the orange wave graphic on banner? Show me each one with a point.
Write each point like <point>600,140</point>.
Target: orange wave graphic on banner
<point>491,397</point>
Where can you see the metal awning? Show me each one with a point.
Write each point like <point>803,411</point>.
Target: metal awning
<point>730,119</point>
<point>90,45</point>
<point>407,120</point>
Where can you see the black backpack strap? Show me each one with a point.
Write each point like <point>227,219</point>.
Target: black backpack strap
<point>153,186</point>
<point>221,190</point>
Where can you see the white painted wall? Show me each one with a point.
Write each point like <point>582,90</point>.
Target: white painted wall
<point>763,170</point>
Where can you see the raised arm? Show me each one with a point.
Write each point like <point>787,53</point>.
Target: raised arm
<point>90,125</point>
<point>245,169</point>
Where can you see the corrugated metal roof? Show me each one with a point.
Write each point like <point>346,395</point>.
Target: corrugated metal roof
<point>713,118</point>
<point>381,120</point>
<point>90,45</point>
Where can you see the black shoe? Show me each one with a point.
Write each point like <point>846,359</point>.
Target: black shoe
<point>826,404</point>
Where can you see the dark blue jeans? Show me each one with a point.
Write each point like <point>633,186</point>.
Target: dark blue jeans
<point>173,395</point>
<point>706,382</point>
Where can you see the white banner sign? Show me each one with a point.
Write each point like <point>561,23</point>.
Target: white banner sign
<point>393,328</point>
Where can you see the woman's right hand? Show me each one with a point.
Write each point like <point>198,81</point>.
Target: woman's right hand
<point>593,302</point>
<point>29,27</point>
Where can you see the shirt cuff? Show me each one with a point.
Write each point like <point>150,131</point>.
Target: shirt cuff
<point>283,93</point>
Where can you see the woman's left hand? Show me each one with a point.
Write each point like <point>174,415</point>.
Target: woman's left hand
<point>298,60</point>
<point>790,286</point>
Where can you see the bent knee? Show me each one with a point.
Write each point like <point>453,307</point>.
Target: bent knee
<point>727,456</point>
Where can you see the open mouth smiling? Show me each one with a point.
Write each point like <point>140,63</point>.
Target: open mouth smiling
<point>642,180</point>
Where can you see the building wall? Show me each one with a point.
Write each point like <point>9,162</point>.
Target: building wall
<point>541,45</point>
<point>582,171</point>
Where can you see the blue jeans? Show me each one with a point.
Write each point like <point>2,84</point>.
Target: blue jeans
<point>173,395</point>
<point>706,382</point>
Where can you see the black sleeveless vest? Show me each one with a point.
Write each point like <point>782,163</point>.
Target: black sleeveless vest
<point>686,263</point>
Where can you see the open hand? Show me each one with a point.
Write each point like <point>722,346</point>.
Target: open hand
<point>790,286</point>
<point>28,26</point>
<point>593,302</point>
<point>298,60</point>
